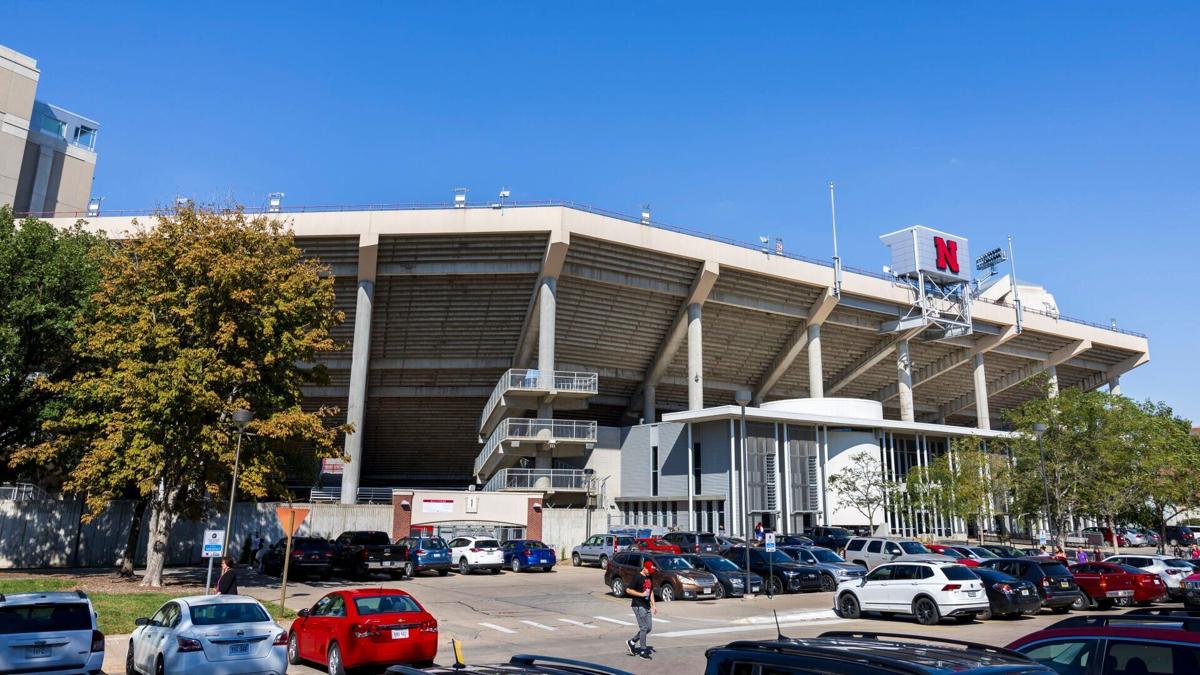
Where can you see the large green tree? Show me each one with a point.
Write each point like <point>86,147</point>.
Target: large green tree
<point>967,482</point>
<point>47,276</point>
<point>204,313</point>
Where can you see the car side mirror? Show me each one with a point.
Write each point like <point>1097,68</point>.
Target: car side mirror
<point>862,581</point>
<point>302,613</point>
<point>141,621</point>
<point>895,555</point>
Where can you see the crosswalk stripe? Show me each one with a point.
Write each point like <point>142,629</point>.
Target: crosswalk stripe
<point>538,625</point>
<point>573,622</point>
<point>744,629</point>
<point>616,621</point>
<point>493,626</point>
<point>658,620</point>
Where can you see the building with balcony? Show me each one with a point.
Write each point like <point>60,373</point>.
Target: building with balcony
<point>47,153</point>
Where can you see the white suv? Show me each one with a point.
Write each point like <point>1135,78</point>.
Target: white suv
<point>1170,569</point>
<point>49,633</point>
<point>873,551</point>
<point>476,553</point>
<point>926,590</point>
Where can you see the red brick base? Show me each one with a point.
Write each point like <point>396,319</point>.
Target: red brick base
<point>533,518</point>
<point>401,515</point>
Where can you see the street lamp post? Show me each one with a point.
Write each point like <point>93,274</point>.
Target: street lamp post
<point>1040,430</point>
<point>241,418</point>
<point>743,398</point>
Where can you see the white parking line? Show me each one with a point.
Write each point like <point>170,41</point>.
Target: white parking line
<point>493,626</point>
<point>573,622</point>
<point>616,621</point>
<point>743,629</point>
<point>794,616</point>
<point>658,620</point>
<point>538,625</point>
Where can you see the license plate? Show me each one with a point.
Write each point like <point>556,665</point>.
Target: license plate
<point>243,648</point>
<point>754,589</point>
<point>1064,584</point>
<point>706,591</point>
<point>387,563</point>
<point>971,594</point>
<point>400,634</point>
<point>37,652</point>
<point>1024,591</point>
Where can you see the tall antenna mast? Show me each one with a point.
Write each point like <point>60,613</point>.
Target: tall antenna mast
<point>1012,268</point>
<point>837,261</point>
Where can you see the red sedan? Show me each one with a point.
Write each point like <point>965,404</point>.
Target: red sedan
<point>656,545</point>
<point>959,557</point>
<point>1103,584</point>
<point>364,627</point>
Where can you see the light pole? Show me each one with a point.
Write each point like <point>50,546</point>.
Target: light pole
<point>241,418</point>
<point>743,398</point>
<point>1040,430</point>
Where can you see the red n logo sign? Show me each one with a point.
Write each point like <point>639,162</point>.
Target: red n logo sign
<point>947,254</point>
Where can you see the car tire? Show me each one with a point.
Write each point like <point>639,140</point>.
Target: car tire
<point>719,591</point>
<point>828,583</point>
<point>408,569</point>
<point>666,593</point>
<point>442,573</point>
<point>963,619</point>
<point>293,649</point>
<point>464,568</point>
<point>985,615</point>
<point>926,611</point>
<point>603,562</point>
<point>848,607</point>
<point>774,585</point>
<point>1083,601</point>
<point>576,561</point>
<point>335,665</point>
<point>396,575</point>
<point>618,587</point>
<point>495,570</point>
<point>130,669</point>
<point>516,565</point>
<point>159,668</point>
<point>1105,604</point>
<point>1061,610</point>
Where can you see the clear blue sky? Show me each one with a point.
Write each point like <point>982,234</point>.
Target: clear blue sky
<point>1073,127</point>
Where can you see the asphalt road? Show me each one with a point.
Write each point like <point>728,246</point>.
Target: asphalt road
<point>568,612</point>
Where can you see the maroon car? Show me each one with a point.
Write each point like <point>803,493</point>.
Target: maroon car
<point>1143,641</point>
<point>1104,584</point>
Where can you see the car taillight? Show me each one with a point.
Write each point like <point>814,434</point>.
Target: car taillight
<point>188,645</point>
<point>97,641</point>
<point>363,554</point>
<point>1103,583</point>
<point>297,554</point>
<point>1003,588</point>
<point>281,640</point>
<point>363,631</point>
<point>429,626</point>
<point>1174,571</point>
<point>420,551</point>
<point>327,554</point>
<point>475,550</point>
<point>528,554</point>
<point>1046,582</point>
<point>951,587</point>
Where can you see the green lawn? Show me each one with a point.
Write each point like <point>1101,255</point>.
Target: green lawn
<point>117,610</point>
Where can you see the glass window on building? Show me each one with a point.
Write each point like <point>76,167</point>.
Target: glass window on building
<point>697,471</point>
<point>85,137</point>
<point>654,471</point>
<point>52,126</point>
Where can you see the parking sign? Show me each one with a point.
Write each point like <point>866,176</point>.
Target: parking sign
<point>213,544</point>
<point>769,542</point>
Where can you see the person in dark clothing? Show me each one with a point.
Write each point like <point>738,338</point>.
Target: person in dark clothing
<point>642,592</point>
<point>227,583</point>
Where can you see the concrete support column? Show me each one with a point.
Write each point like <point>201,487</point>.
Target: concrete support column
<point>648,405</point>
<point>816,376</point>
<point>1114,386</point>
<point>41,182</point>
<point>695,361</point>
<point>1052,387</point>
<point>904,379</point>
<point>547,306</point>
<point>983,418</point>
<point>368,250</point>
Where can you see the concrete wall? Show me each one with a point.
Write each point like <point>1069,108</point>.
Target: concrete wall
<point>50,533</point>
<point>563,529</point>
<point>713,438</point>
<point>842,446</point>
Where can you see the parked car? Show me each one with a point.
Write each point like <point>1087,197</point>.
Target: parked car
<point>1191,591</point>
<point>1106,534</point>
<point>871,552</point>
<point>1134,643</point>
<point>1007,595</point>
<point>1134,536</point>
<point>731,577</point>
<point>694,542</point>
<point>311,556</point>
<point>833,568</point>
<point>360,553</point>
<point>928,591</point>
<point>726,543</point>
<point>656,545</point>
<point>1054,583</point>
<point>49,633</point>
<point>953,552</point>
<point>780,573</point>
<point>1170,569</point>
<point>524,554</point>
<point>1003,551</point>
<point>867,654</point>
<point>1152,538</point>
<point>476,553</point>
<point>187,635</point>
<point>791,540</point>
<point>425,553</point>
<point>674,578</point>
<point>521,664</point>
<point>1104,584</point>
<point>832,538</point>
<point>363,627</point>
<point>599,549</point>
<point>1180,535</point>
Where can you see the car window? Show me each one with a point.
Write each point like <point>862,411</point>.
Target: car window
<point>905,573</point>
<point>171,615</point>
<point>385,604</point>
<point>624,541</point>
<point>913,547</point>
<point>337,607</point>
<point>1066,657</point>
<point>707,539</point>
<point>892,548</point>
<point>1150,658</point>
<point>673,562</point>
<point>959,573</point>
<point>455,543</point>
<point>719,565</point>
<point>486,543</point>
<point>228,612</point>
<point>371,539</point>
<point>882,573</point>
<point>534,544</point>
<point>1176,562</point>
<point>1055,569</point>
<point>875,546</point>
<point>621,559</point>
<point>855,545</point>
<point>47,617</point>
<point>322,606</point>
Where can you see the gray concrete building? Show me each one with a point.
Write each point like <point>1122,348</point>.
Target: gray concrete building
<point>47,153</point>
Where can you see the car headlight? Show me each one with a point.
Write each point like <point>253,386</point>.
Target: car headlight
<point>737,581</point>
<point>842,572</point>
<point>687,582</point>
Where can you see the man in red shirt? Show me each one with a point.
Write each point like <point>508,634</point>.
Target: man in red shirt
<point>642,592</point>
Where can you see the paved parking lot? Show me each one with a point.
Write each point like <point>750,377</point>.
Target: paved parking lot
<point>569,612</point>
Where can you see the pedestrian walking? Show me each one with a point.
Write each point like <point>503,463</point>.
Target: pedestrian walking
<point>1097,556</point>
<point>1081,556</point>
<point>1195,551</point>
<point>760,533</point>
<point>642,592</point>
<point>227,583</point>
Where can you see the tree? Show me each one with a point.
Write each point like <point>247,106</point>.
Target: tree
<point>1170,455</point>
<point>46,278</point>
<point>206,313</point>
<point>965,482</point>
<point>862,486</point>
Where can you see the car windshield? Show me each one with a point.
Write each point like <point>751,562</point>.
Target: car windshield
<point>958,573</point>
<point>385,604</point>
<point>1129,569</point>
<point>624,541</point>
<point>838,532</point>
<point>912,547</point>
<point>953,553</point>
<point>982,553</point>
<point>228,612</point>
<point>486,543</point>
<point>720,565</point>
<point>1177,562</point>
<point>776,557</point>
<point>309,545</point>
<point>438,543</point>
<point>534,544</point>
<point>371,539</point>
<point>707,539</point>
<point>44,617</point>
<point>673,562</point>
<point>825,555</point>
<point>1055,570</point>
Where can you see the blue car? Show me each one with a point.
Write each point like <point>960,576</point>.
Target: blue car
<point>523,554</point>
<point>426,553</point>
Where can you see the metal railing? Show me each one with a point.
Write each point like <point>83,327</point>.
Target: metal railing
<point>21,492</point>
<point>368,495</point>
<point>529,379</point>
<point>520,429</point>
<point>527,479</point>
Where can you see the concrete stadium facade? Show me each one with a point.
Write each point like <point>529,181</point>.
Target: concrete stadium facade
<point>553,336</point>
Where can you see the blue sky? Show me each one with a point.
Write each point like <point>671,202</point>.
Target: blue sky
<point>1072,127</point>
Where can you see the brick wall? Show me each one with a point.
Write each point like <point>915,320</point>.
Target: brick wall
<point>401,515</point>
<point>533,519</point>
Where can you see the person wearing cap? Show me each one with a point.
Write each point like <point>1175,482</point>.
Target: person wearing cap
<point>642,592</point>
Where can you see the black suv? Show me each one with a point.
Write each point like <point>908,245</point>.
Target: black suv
<point>848,653</point>
<point>781,573</point>
<point>311,557</point>
<point>694,542</point>
<point>832,538</point>
<point>1054,582</point>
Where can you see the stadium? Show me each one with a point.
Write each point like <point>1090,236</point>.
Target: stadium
<point>609,361</point>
